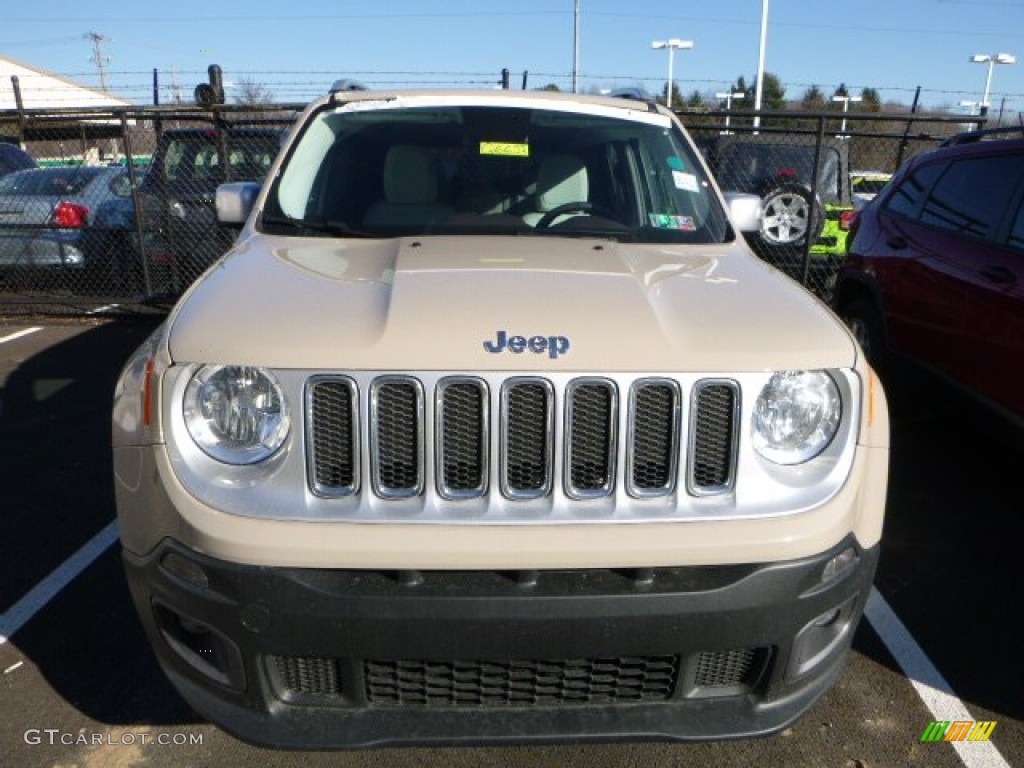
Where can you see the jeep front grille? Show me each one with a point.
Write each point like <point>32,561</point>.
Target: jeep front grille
<point>541,437</point>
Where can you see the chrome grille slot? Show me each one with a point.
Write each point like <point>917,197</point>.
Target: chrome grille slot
<point>462,429</point>
<point>590,438</point>
<point>713,435</point>
<point>653,448</point>
<point>396,447</point>
<point>527,411</point>
<point>333,452</point>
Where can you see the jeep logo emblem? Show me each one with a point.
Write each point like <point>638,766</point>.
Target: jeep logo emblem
<point>553,345</point>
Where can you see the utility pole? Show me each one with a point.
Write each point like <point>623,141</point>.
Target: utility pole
<point>759,81</point>
<point>98,58</point>
<point>576,49</point>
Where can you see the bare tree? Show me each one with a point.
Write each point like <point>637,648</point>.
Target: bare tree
<point>251,93</point>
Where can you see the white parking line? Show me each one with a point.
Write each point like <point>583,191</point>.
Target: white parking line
<point>19,334</point>
<point>931,686</point>
<point>104,308</point>
<point>28,606</point>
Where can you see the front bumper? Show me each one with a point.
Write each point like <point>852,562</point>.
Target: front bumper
<point>329,658</point>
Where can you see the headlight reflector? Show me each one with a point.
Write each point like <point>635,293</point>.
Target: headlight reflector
<point>796,416</point>
<point>236,414</point>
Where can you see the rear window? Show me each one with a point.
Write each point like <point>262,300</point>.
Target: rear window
<point>758,167</point>
<point>198,158</point>
<point>48,183</point>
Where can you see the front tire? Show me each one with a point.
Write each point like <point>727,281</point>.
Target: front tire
<point>864,320</point>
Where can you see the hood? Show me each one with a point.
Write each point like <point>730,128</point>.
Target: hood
<point>502,303</point>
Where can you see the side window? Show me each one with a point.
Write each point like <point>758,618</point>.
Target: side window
<point>172,160</point>
<point>906,199</point>
<point>973,194</point>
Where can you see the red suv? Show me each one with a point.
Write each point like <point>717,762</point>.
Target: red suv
<point>935,270</point>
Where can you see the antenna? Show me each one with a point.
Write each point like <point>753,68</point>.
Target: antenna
<point>98,58</point>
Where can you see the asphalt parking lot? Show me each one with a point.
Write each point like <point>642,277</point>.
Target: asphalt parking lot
<point>79,686</point>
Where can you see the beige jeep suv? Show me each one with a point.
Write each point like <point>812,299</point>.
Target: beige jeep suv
<point>490,427</point>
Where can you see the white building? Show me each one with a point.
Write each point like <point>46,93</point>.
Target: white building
<point>44,90</point>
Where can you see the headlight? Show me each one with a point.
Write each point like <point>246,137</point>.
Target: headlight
<point>236,414</point>
<point>796,416</point>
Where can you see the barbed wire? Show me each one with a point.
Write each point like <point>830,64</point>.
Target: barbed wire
<point>313,82</point>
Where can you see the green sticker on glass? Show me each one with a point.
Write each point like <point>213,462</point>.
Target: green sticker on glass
<point>504,148</point>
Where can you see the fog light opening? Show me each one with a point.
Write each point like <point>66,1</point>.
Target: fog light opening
<point>200,646</point>
<point>821,637</point>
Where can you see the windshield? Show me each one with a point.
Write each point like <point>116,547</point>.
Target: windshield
<point>389,171</point>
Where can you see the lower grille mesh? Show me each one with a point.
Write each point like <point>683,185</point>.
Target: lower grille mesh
<point>520,683</point>
<point>309,675</point>
<point>726,669</point>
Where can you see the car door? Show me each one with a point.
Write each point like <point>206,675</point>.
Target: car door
<point>923,303</point>
<point>993,341</point>
<point>967,211</point>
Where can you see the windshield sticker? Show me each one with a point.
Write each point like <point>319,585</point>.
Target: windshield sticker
<point>672,221</point>
<point>504,149</point>
<point>676,163</point>
<point>685,181</point>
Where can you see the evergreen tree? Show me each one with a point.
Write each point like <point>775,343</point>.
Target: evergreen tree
<point>871,101</point>
<point>813,100</point>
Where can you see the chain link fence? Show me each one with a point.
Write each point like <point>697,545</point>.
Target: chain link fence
<point>121,206</point>
<point>813,173</point>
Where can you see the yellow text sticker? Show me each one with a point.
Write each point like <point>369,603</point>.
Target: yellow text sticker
<point>504,148</point>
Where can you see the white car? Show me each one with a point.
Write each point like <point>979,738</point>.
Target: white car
<point>489,427</point>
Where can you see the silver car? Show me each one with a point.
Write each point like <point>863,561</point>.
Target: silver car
<point>44,213</point>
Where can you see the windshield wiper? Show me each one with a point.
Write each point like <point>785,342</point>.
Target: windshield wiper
<point>307,227</point>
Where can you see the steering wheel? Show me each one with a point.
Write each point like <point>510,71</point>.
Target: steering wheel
<point>548,218</point>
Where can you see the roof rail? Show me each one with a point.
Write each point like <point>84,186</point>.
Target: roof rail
<point>635,94</point>
<point>347,84</point>
<point>971,137</point>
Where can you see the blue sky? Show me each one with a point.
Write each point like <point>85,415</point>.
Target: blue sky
<point>297,48</point>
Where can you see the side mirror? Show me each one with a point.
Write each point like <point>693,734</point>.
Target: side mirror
<point>745,210</point>
<point>235,200</point>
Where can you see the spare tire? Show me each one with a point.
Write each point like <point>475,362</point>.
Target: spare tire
<point>791,214</point>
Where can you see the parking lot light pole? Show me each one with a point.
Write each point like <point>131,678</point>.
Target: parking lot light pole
<point>728,104</point>
<point>991,59</point>
<point>672,44</point>
<point>846,105</point>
